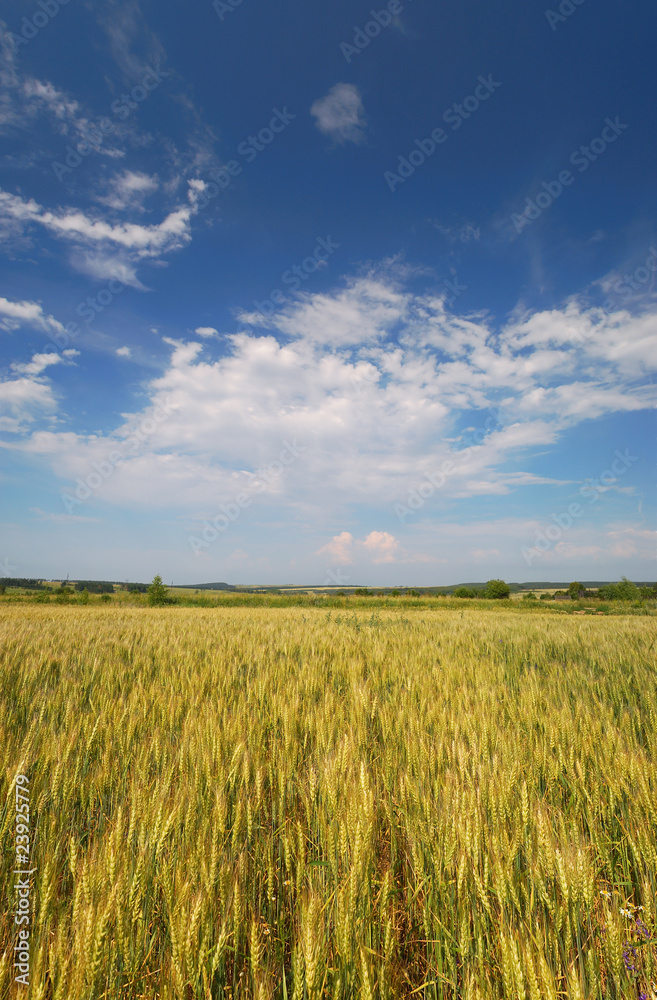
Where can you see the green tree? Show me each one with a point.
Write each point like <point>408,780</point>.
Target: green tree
<point>529,597</point>
<point>624,590</point>
<point>464,592</point>
<point>627,590</point>
<point>497,589</point>
<point>158,594</point>
<point>84,596</point>
<point>574,589</point>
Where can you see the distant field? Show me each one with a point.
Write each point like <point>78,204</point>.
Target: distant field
<point>335,600</point>
<point>304,803</point>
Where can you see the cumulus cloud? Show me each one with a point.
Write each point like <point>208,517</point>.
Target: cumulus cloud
<point>124,352</point>
<point>206,331</point>
<point>370,381</point>
<point>339,549</point>
<point>340,114</point>
<point>377,547</point>
<point>382,546</point>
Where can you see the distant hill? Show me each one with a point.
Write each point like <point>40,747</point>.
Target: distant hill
<point>589,584</point>
<point>205,586</point>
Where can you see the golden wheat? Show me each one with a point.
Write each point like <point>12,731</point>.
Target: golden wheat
<point>277,803</point>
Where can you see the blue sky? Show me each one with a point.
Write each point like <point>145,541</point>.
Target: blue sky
<point>328,293</point>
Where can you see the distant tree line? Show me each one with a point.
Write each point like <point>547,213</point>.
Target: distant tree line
<point>494,590</point>
<point>625,590</point>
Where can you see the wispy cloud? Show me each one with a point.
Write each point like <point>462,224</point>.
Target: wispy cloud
<point>128,190</point>
<point>340,114</point>
<point>99,246</point>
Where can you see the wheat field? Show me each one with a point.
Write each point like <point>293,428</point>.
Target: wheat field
<point>290,803</point>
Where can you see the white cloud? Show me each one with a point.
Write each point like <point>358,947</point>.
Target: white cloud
<point>124,352</point>
<point>206,331</point>
<point>128,190</point>
<point>24,99</point>
<point>378,547</point>
<point>340,113</point>
<point>13,315</point>
<point>22,400</point>
<point>369,379</point>
<point>54,100</point>
<point>102,248</point>
<point>632,541</point>
<point>38,363</point>
<point>382,547</point>
<point>339,549</point>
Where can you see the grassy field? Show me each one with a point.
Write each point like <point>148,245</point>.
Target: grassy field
<point>302,803</point>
